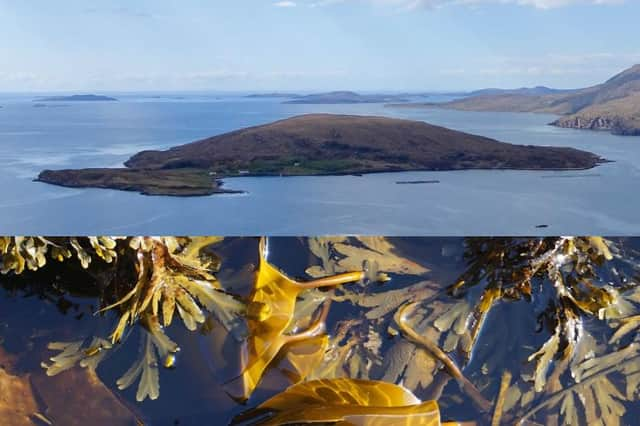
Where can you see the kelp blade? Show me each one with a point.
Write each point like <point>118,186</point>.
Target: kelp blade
<point>344,401</point>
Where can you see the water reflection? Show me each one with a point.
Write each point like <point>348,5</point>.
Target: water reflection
<point>203,330</point>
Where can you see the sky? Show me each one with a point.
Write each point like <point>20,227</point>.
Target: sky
<point>313,45</point>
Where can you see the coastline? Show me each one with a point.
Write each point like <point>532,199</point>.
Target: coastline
<point>183,183</point>
<point>218,182</point>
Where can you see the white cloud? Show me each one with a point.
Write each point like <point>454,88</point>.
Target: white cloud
<point>556,70</point>
<point>416,4</point>
<point>285,4</point>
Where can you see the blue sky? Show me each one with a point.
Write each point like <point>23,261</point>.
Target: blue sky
<point>69,45</point>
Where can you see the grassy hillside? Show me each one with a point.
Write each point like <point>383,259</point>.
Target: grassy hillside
<point>326,143</point>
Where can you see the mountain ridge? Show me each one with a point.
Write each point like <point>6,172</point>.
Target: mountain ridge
<point>613,105</point>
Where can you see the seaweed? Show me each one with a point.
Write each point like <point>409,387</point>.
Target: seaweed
<point>344,401</point>
<point>581,365</point>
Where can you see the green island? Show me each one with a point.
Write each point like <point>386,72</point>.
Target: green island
<point>317,144</point>
<point>612,106</point>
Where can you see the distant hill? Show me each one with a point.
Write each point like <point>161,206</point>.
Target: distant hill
<point>317,144</point>
<point>75,98</point>
<point>346,97</point>
<point>273,95</point>
<point>613,105</point>
<point>538,90</point>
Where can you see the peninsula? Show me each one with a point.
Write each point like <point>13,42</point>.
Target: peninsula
<point>179,182</point>
<point>613,105</point>
<point>317,144</point>
<point>76,98</point>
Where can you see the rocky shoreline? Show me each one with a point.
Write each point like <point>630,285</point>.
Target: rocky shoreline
<point>612,106</point>
<point>615,125</point>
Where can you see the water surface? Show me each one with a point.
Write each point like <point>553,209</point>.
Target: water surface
<point>62,301</point>
<point>105,134</point>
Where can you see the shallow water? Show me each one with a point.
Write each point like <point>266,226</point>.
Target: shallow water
<point>61,305</point>
<point>597,201</point>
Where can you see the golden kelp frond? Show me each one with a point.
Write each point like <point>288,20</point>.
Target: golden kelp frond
<point>375,254</point>
<point>302,357</point>
<point>402,319</point>
<point>72,353</point>
<point>261,350</point>
<point>194,252</point>
<point>511,264</point>
<point>344,401</point>
<point>170,280</point>
<point>383,303</point>
<point>155,345</point>
<point>145,367</point>
<point>626,326</point>
<point>339,349</point>
<point>499,405</point>
<point>18,253</point>
<point>454,323</point>
<point>361,350</point>
<point>594,398</point>
<point>568,335</point>
<point>407,364</point>
<point>508,268</point>
<point>412,331</point>
<point>104,247</point>
<point>364,354</point>
<point>270,313</point>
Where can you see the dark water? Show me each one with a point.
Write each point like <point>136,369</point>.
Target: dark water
<point>36,309</point>
<point>104,134</point>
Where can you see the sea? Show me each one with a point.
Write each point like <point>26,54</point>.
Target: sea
<point>36,135</point>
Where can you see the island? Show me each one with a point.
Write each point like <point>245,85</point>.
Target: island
<point>273,95</point>
<point>346,97</point>
<point>76,98</point>
<point>318,144</point>
<point>612,106</point>
<point>416,182</point>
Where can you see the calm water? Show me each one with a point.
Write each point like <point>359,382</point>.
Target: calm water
<point>62,302</point>
<point>601,201</point>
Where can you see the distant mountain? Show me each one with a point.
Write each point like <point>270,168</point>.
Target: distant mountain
<point>273,95</point>
<point>75,98</point>
<point>346,97</point>
<point>538,90</point>
<point>613,105</point>
<point>621,116</point>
